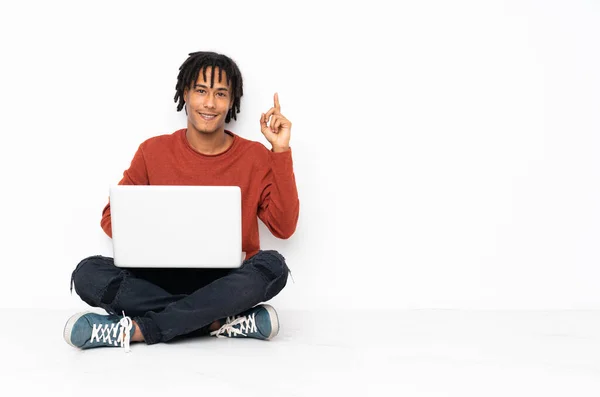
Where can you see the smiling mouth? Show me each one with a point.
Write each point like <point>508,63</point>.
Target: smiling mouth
<point>208,117</point>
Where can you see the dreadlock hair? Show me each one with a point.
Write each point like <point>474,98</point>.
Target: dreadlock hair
<point>200,61</point>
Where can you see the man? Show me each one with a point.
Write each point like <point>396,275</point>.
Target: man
<point>158,305</point>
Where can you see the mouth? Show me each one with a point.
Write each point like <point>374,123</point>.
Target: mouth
<point>207,116</point>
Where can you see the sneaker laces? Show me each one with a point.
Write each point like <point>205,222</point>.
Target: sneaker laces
<point>114,333</point>
<point>246,324</point>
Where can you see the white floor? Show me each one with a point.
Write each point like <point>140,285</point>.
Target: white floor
<point>404,353</point>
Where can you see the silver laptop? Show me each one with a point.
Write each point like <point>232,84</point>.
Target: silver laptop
<point>176,226</point>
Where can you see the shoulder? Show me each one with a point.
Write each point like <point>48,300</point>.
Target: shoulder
<point>160,142</point>
<point>254,150</point>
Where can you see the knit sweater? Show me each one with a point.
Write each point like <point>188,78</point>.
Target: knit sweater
<point>266,180</point>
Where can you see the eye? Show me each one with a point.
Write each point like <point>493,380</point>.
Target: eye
<point>222,94</point>
<point>200,90</point>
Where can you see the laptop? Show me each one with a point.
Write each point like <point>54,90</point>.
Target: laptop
<point>156,226</point>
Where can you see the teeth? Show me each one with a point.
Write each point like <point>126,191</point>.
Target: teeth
<point>207,116</point>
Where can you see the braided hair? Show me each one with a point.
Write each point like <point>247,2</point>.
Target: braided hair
<point>200,61</point>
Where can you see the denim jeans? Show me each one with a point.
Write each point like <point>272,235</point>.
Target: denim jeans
<point>170,303</point>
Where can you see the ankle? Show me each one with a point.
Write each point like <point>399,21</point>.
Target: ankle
<point>215,325</point>
<point>137,333</point>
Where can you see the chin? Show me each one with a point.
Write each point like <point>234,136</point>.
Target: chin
<point>200,127</point>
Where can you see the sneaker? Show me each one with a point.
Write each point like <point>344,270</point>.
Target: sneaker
<point>260,322</point>
<point>86,330</point>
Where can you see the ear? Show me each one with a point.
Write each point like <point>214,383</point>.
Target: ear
<point>186,91</point>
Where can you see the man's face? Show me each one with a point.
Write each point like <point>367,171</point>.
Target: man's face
<point>207,106</point>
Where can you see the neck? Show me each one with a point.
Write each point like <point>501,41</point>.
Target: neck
<point>207,143</point>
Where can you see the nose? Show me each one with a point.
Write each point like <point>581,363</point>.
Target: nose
<point>209,102</point>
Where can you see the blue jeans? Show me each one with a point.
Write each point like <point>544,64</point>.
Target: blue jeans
<point>170,303</point>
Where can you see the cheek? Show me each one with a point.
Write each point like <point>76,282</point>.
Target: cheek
<point>191,102</point>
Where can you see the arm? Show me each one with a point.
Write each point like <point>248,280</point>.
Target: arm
<point>279,206</point>
<point>135,175</point>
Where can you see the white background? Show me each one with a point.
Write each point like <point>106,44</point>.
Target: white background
<point>446,153</point>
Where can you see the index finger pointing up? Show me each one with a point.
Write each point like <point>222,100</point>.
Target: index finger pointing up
<point>276,100</point>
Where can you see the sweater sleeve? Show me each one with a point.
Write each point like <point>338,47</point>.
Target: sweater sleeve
<point>137,174</point>
<point>279,205</point>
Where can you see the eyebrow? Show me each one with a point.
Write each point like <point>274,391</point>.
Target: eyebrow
<point>205,86</point>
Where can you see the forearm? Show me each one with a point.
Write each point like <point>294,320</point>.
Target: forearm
<point>281,214</point>
<point>106,222</point>
<point>133,176</point>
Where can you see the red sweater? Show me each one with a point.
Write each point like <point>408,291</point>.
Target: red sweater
<point>266,180</point>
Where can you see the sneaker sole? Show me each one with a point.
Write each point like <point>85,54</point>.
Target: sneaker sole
<point>274,321</point>
<point>69,327</point>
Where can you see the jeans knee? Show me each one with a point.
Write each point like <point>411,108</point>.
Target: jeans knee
<point>272,265</point>
<point>82,270</point>
<point>91,277</point>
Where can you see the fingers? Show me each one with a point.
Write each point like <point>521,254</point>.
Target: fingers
<point>263,121</point>
<point>276,101</point>
<point>275,110</point>
<point>271,126</point>
<point>276,123</point>
<point>270,113</point>
<point>279,121</point>
<point>273,119</point>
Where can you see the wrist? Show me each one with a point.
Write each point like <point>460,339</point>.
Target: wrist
<point>279,149</point>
